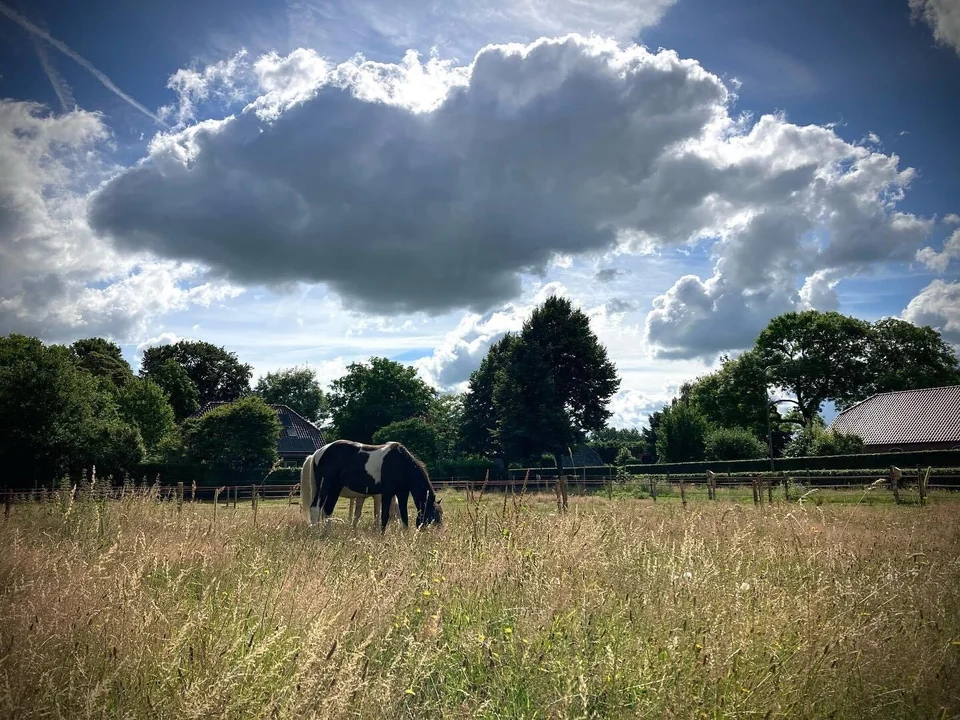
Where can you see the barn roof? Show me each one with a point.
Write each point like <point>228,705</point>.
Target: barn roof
<point>928,415</point>
<point>298,436</point>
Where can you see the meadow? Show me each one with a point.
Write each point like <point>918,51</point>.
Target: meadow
<point>623,608</point>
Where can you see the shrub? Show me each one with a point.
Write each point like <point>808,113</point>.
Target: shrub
<point>818,442</point>
<point>239,435</point>
<point>682,434</point>
<point>733,444</point>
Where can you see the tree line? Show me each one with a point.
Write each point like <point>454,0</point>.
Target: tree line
<point>537,393</point>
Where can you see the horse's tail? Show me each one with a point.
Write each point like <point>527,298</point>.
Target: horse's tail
<point>308,486</point>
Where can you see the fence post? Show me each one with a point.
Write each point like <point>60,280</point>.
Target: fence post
<point>179,497</point>
<point>895,475</point>
<point>756,491</point>
<point>770,491</point>
<point>653,487</point>
<point>216,502</point>
<point>253,501</point>
<point>193,491</point>
<point>683,493</point>
<point>923,481</point>
<point>6,504</point>
<point>711,485</point>
<point>786,489</point>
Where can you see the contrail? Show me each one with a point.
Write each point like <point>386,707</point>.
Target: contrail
<point>83,62</point>
<point>60,86</point>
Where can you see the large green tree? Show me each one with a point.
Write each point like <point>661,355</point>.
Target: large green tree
<point>296,388</point>
<point>217,373</point>
<point>143,404</point>
<point>904,356</point>
<point>239,435</point>
<point>102,358</point>
<point>56,418</point>
<point>816,356</point>
<point>555,384</point>
<point>180,390</point>
<point>374,394</point>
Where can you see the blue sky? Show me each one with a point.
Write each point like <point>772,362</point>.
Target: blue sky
<point>236,172</point>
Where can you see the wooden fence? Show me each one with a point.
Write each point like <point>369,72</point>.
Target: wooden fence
<point>763,487</point>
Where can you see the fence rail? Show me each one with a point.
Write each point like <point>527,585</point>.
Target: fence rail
<point>234,494</point>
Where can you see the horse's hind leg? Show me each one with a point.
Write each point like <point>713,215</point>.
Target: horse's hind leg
<point>356,504</point>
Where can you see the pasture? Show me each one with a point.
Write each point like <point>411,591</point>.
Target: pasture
<point>616,609</point>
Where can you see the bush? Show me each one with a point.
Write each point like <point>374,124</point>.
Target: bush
<point>239,435</point>
<point>623,457</point>
<point>819,442</point>
<point>682,434</point>
<point>733,444</point>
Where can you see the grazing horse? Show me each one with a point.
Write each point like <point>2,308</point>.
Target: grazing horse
<point>352,469</point>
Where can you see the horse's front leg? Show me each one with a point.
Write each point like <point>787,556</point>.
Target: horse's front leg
<point>329,503</point>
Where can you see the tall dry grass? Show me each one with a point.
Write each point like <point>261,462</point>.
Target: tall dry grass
<point>617,609</point>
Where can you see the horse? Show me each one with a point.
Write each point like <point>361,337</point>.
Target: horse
<point>353,469</point>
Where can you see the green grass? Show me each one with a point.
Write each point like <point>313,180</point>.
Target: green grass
<point>616,609</point>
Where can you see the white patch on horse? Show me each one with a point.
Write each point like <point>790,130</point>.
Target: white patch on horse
<point>374,462</point>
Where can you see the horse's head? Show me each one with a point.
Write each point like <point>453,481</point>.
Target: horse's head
<point>432,513</point>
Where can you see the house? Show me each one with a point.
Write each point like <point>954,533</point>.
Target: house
<point>298,436</point>
<point>905,420</point>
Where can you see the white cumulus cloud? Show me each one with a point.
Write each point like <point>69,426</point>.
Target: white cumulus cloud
<point>937,305</point>
<point>943,17</point>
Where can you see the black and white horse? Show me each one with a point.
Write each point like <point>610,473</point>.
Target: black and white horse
<point>352,469</point>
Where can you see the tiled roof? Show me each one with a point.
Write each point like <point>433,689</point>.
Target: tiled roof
<point>583,456</point>
<point>905,416</point>
<point>298,436</point>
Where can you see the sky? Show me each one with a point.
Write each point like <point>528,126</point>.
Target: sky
<point>315,182</point>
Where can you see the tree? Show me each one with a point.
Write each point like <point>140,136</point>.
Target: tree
<point>903,356</point>
<point>239,435</point>
<point>102,358</point>
<point>217,374</point>
<point>180,390</point>
<point>733,396</point>
<point>55,418</point>
<point>417,434</point>
<point>296,388</point>
<point>732,444</point>
<point>372,395</point>
<point>817,356</point>
<point>681,435</point>
<point>446,416</point>
<point>652,432</point>
<point>144,405</point>
<point>478,421</point>
<point>556,382</point>
<point>530,415</point>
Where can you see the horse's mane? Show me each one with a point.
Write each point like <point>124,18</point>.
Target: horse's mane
<point>418,462</point>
